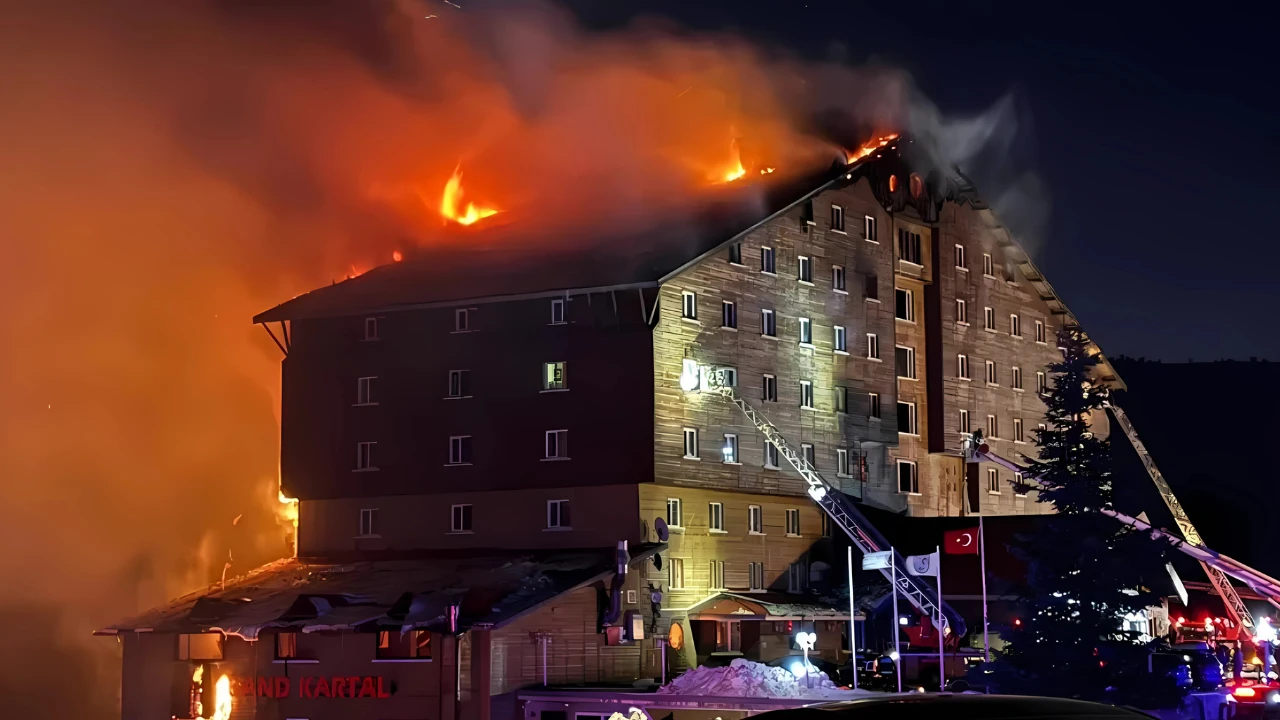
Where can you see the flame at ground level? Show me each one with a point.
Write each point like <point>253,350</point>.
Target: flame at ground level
<point>451,203</point>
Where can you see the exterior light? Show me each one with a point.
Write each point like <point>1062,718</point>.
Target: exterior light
<point>1265,632</point>
<point>817,492</point>
<point>903,621</point>
<point>689,375</point>
<point>893,655</point>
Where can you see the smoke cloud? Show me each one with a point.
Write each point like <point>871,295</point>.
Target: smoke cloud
<point>171,167</point>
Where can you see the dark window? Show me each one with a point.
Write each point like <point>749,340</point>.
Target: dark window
<point>729,315</point>
<point>767,263</point>
<point>369,522</point>
<point>735,253</point>
<point>842,399</point>
<point>909,246</point>
<point>908,482</point>
<point>461,521</point>
<point>461,320</point>
<point>557,312</point>
<point>869,229</point>
<point>804,271</point>
<point>770,388</point>
<point>873,407</point>
<point>768,324</point>
<point>837,278</point>
<point>837,218</point>
<point>460,450</point>
<point>371,328</point>
<point>903,305</point>
<point>872,290</point>
<point>459,383</point>
<point>905,358</point>
<point>558,514</point>
<point>907,419</point>
<point>396,645</point>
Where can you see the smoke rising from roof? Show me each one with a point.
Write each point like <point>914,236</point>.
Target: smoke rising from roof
<point>174,166</point>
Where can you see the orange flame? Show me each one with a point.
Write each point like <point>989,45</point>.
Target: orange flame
<point>451,202</point>
<point>865,150</point>
<point>222,695</point>
<point>396,256</point>
<point>735,170</point>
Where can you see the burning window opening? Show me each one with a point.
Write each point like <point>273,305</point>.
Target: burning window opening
<point>221,696</point>
<point>451,203</point>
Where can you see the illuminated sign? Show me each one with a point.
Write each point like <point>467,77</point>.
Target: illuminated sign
<point>353,687</point>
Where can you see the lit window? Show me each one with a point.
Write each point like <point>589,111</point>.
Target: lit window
<point>962,367</point>
<point>907,424</point>
<point>993,426</point>
<point>962,312</point>
<point>804,270</point>
<point>1039,332</point>
<point>793,522</point>
<point>768,324</point>
<point>841,399</point>
<point>806,331</point>
<point>873,347</point>
<point>674,513</point>
<point>989,318</point>
<point>461,320</point>
<point>1017,430</point>
<point>557,312</point>
<point>675,573</point>
<point>1042,383</point>
<point>1015,325</point>
<point>691,443</point>
<point>461,519</point>
<point>770,388</point>
<point>728,314</point>
<point>869,229</point>
<point>993,481</point>
<point>837,218</point>
<point>873,406</point>
<point>961,263</point>
<point>842,462</point>
<point>988,267</point>
<point>200,646</point>
<point>371,328</point>
<point>756,572</point>
<point>1017,378</point>
<point>730,450</point>
<point>715,516</point>
<point>770,455</point>
<point>364,391</point>
<point>871,288</point>
<point>555,375</point>
<point>796,577</point>
<point>991,373</point>
<point>364,456</point>
<point>908,480</point>
<point>286,646</point>
<point>838,339</point>
<point>1041,427</point>
<point>806,452</point>
<point>689,305</point>
<point>904,305</point>
<point>905,359</point>
<point>558,515</point>
<point>395,645</point>
<point>557,445</point>
<point>755,520</point>
<point>368,522</point>
<point>735,253</point>
<point>837,278</point>
<point>717,575</point>
<point>964,422</point>
<point>767,261</point>
<point>806,394</point>
<point>460,450</point>
<point>459,383</point>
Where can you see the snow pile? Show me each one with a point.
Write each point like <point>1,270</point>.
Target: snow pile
<point>744,678</point>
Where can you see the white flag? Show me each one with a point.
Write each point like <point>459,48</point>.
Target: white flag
<point>877,560</point>
<point>923,564</point>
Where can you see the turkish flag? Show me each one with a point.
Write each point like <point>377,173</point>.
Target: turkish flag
<point>960,542</point>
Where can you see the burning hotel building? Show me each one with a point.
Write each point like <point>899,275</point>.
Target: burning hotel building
<point>502,482</point>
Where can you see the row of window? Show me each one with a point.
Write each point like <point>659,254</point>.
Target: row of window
<point>988,264</point>
<point>965,426</point>
<point>388,645</point>
<point>992,375</point>
<point>555,377</point>
<point>730,455</point>
<point>462,320</point>
<point>716,518</point>
<point>556,448</point>
<point>797,575</point>
<point>460,518</point>
<point>989,321</point>
<point>909,480</point>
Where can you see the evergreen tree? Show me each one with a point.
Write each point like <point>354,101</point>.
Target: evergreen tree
<point>1087,571</point>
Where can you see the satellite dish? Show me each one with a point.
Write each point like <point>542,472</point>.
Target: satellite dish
<point>657,561</point>
<point>661,526</point>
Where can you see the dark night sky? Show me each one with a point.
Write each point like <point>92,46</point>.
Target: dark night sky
<point>1155,131</point>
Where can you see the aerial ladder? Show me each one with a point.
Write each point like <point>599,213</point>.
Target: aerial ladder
<point>1217,566</point>
<point>835,504</point>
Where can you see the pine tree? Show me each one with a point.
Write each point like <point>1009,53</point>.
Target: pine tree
<point>1087,571</point>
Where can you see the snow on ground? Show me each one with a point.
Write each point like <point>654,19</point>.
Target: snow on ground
<point>744,678</point>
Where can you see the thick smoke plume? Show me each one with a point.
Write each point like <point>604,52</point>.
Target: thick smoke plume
<point>171,167</point>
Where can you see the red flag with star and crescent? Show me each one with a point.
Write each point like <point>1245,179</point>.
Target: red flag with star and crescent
<point>960,542</point>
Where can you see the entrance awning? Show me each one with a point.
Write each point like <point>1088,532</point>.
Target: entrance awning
<point>766,606</point>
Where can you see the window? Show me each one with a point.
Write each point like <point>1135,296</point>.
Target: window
<point>756,579</point>
<point>806,394</point>
<point>806,331</point>
<point>730,450</point>
<point>1019,486</point>
<point>755,520</point>
<point>691,443</point>
<point>1042,383</point>
<point>871,288</point>
<point>908,480</point>
<point>689,305</point>
<point>988,267</point>
<point>200,646</point>
<point>768,324</point>
<point>674,512</point>
<point>364,456</point>
<point>838,343</point>
<point>993,481</point>
<point>459,383</point>
<point>793,522</point>
<point>461,522</point>
<point>555,375</point>
<point>770,455</point>
<point>903,305</point>
<point>804,270</point>
<point>729,376</point>
<point>993,426</point>
<point>873,347</point>
<point>907,424</point>
<point>962,312</point>
<point>286,646</point>
<point>717,575</point>
<point>1039,332</point>
<point>806,452</point>
<point>989,318</point>
<point>869,229</point>
<point>1017,378</point>
<point>991,373</point>
<point>842,462</point>
<point>460,450</point>
<point>735,253</point>
<point>905,358</point>
<point>395,645</point>
<point>770,388</point>
<point>461,320</point>
<point>557,445</point>
<point>796,577</point>
<point>675,570</point>
<point>558,515</point>
<point>369,522</point>
<point>557,312</point>
<point>909,246</point>
<point>728,314</point>
<point>841,400</point>
<point>837,218</point>
<point>364,391</point>
<point>715,517</point>
<point>371,328</point>
<point>873,408</point>
<point>1015,325</point>
<point>767,264</point>
<point>962,367</point>
<point>837,278</point>
<point>964,422</point>
<point>1017,430</point>
<point>961,264</point>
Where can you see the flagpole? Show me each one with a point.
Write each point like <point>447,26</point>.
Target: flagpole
<point>853,627</point>
<point>942,672</point>
<point>982,563</point>
<point>893,581</point>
